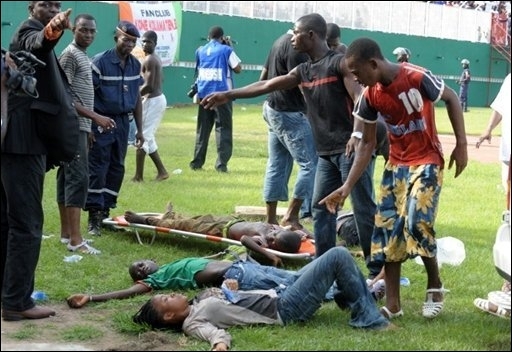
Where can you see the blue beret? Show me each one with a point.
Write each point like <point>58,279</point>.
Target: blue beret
<point>128,28</point>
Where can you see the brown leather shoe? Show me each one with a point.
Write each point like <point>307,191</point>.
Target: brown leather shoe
<point>32,313</point>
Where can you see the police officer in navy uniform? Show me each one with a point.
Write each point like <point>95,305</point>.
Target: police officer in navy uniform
<point>117,79</point>
<point>465,78</point>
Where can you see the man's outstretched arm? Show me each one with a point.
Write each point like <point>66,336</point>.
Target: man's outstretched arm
<point>79,300</point>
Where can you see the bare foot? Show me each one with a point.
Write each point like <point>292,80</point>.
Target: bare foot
<point>161,177</point>
<point>132,217</point>
<point>137,179</point>
<point>292,222</point>
<point>295,225</point>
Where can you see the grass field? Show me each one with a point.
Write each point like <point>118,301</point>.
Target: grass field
<point>470,210</point>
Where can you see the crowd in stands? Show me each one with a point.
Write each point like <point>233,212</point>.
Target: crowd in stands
<point>501,22</point>
<point>489,6</point>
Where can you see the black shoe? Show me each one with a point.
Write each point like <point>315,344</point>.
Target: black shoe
<point>222,169</point>
<point>36,312</point>
<point>94,222</point>
<point>195,167</point>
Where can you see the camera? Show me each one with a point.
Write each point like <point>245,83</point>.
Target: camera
<point>227,40</point>
<point>21,80</point>
<point>192,91</point>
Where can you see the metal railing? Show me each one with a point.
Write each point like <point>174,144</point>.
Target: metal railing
<point>417,18</point>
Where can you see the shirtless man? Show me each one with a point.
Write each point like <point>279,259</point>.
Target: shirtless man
<point>154,104</point>
<point>255,236</point>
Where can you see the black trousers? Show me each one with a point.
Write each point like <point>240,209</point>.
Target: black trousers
<point>222,118</point>
<point>21,227</point>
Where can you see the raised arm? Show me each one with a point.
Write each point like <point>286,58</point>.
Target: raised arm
<point>252,90</point>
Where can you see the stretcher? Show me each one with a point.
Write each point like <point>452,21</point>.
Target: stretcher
<point>306,251</point>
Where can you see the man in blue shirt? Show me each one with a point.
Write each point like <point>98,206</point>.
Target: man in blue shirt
<point>117,79</point>
<point>214,62</point>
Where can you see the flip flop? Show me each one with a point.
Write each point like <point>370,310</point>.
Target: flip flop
<point>484,304</point>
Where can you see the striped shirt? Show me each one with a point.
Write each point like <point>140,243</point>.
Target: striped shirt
<point>77,66</point>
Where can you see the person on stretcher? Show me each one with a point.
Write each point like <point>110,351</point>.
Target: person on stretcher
<point>256,236</point>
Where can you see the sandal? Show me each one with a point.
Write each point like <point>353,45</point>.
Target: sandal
<point>64,240</point>
<point>432,309</point>
<point>500,298</point>
<point>389,315</point>
<point>485,305</point>
<point>83,248</point>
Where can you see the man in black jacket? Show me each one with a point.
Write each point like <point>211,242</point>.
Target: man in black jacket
<point>24,159</point>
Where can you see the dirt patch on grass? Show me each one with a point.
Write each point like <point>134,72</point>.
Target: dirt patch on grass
<point>81,330</point>
<point>487,153</point>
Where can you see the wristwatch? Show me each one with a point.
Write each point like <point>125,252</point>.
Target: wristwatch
<point>357,134</point>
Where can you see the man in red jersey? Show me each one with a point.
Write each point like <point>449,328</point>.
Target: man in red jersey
<point>404,94</point>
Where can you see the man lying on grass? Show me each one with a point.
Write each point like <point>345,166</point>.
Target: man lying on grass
<point>193,273</point>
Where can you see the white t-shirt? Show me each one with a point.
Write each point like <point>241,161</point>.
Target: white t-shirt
<point>502,105</point>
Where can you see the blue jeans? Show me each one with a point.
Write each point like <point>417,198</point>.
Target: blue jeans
<point>132,132</point>
<point>302,299</point>
<point>254,276</point>
<point>331,173</point>
<point>289,139</point>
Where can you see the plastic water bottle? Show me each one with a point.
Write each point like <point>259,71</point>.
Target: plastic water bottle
<point>39,296</point>
<point>177,171</point>
<point>404,281</point>
<point>231,296</point>
<point>73,258</point>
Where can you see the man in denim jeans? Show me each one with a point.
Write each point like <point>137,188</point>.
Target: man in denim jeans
<point>290,138</point>
<point>330,92</point>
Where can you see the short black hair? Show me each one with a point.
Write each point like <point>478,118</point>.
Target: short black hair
<point>333,31</point>
<point>151,35</point>
<point>216,32</point>
<point>288,241</point>
<point>84,16</point>
<point>149,316</point>
<point>314,22</point>
<point>364,49</point>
